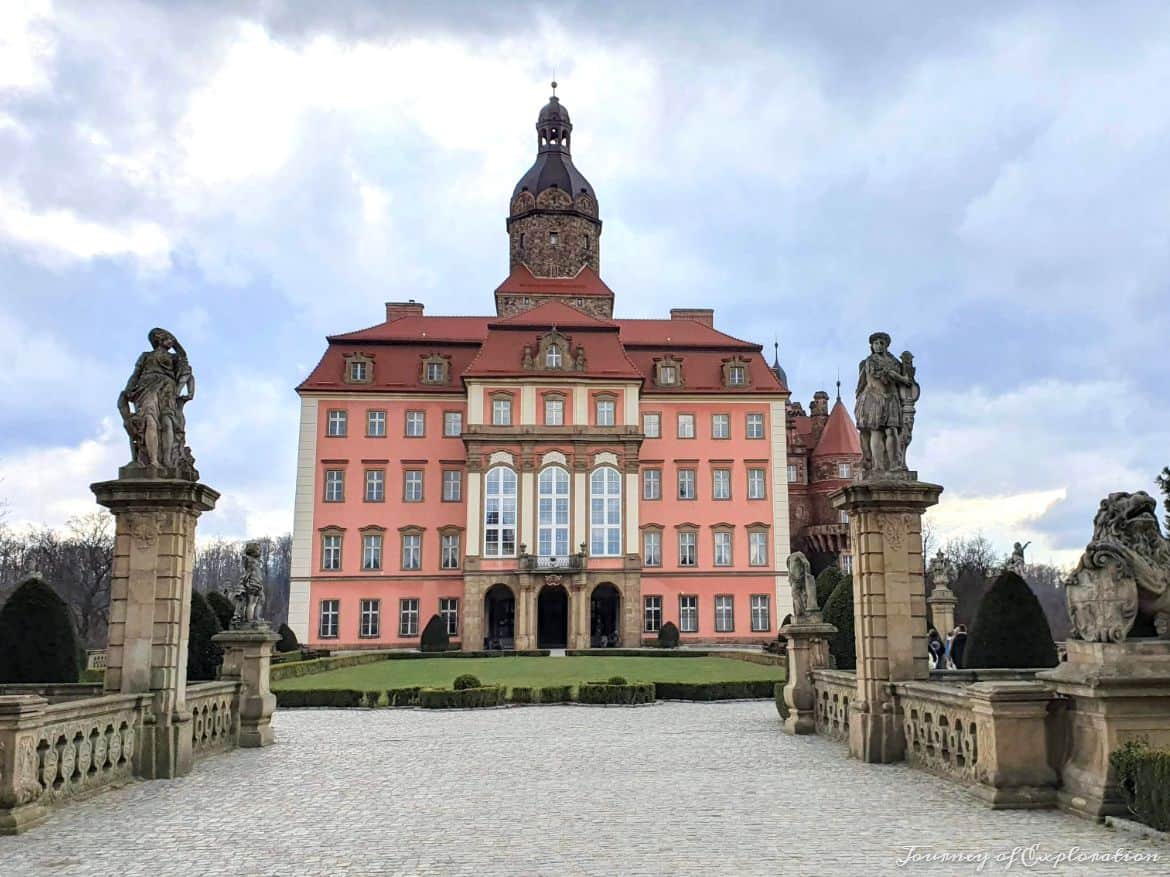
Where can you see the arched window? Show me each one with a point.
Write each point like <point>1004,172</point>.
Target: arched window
<point>499,520</point>
<point>552,533</point>
<point>605,513</point>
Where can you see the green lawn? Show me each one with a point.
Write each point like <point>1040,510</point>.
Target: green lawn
<point>534,672</point>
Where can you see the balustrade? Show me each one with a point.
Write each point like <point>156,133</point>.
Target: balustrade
<point>835,690</point>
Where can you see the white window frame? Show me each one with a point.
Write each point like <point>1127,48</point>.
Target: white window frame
<point>409,484</point>
<point>553,358</point>
<point>329,619</point>
<point>554,411</point>
<point>337,423</point>
<point>605,512</point>
<point>793,473</point>
<point>372,549</point>
<point>408,617</point>
<point>499,533</point>
<point>754,427</point>
<point>736,376</point>
<point>376,423</point>
<point>370,618</point>
<point>757,483</point>
<point>605,412</point>
<point>720,426</point>
<point>844,470</point>
<point>502,412</point>
<point>688,613</point>
<point>761,610</point>
<point>843,517</point>
<point>724,613</point>
<point>654,418</point>
<point>689,477</point>
<point>720,484</point>
<point>652,548</point>
<point>668,374</point>
<point>359,371</point>
<point>652,614</point>
<point>449,551</point>
<point>435,373</point>
<point>416,424</point>
<point>412,551</point>
<point>652,484</point>
<point>452,423</point>
<point>685,424</point>
<point>553,512</point>
<point>449,612</point>
<point>331,552</point>
<point>723,549</point>
<point>452,485</point>
<point>375,485</point>
<point>688,548</point>
<point>334,485</point>
<point>757,547</point>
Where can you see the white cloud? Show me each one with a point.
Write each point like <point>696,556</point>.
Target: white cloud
<point>27,48</point>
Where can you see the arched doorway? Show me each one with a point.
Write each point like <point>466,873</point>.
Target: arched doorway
<point>552,618</point>
<point>604,614</point>
<point>499,616</point>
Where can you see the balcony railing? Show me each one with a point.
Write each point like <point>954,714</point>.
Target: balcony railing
<point>552,561</point>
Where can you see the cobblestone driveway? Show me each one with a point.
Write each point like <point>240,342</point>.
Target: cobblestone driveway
<point>671,789</point>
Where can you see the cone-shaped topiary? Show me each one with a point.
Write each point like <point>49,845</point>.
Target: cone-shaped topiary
<point>839,613</point>
<point>434,636</point>
<point>203,656</point>
<point>668,636</point>
<point>827,582</point>
<point>223,608</point>
<point>466,681</point>
<point>288,639</point>
<point>37,641</point>
<point>1010,629</point>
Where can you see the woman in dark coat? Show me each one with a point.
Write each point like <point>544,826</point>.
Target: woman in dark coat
<point>936,650</point>
<point>958,644</point>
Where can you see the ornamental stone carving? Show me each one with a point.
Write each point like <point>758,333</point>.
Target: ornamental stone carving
<point>887,392</point>
<point>804,588</point>
<point>1124,572</point>
<point>248,594</point>
<point>894,529</point>
<point>1016,562</point>
<point>151,406</point>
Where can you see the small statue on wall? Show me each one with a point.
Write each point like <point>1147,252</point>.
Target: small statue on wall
<point>579,359</point>
<point>249,592</point>
<point>887,391</point>
<point>151,406</point>
<point>804,587</point>
<point>1016,562</point>
<point>940,571</point>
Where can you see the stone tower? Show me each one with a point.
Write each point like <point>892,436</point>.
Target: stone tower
<point>553,227</point>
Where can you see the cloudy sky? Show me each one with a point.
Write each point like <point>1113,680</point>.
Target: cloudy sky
<point>989,184</point>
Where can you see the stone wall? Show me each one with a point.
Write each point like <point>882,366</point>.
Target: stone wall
<point>577,243</point>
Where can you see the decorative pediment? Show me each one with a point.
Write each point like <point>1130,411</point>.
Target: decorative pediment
<point>359,368</point>
<point>435,369</point>
<point>668,371</point>
<point>736,372</point>
<point>554,352</point>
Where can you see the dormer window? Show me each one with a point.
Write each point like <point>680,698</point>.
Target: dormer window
<point>668,372</point>
<point>553,357</point>
<point>735,376</point>
<point>435,369</point>
<point>359,368</point>
<point>553,351</point>
<point>735,372</point>
<point>668,375</point>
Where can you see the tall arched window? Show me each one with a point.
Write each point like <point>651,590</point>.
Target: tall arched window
<point>499,519</point>
<point>552,532</point>
<point>605,513</point>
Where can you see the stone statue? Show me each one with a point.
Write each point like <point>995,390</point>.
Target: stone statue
<point>579,359</point>
<point>527,362</point>
<point>1124,572</point>
<point>940,571</point>
<point>804,587</point>
<point>152,405</point>
<point>249,592</point>
<point>1016,562</point>
<point>886,395</point>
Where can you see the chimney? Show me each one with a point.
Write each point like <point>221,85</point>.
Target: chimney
<point>706,316</point>
<point>818,412</point>
<point>396,310</point>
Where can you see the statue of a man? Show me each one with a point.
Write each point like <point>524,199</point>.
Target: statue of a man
<point>940,571</point>
<point>804,586</point>
<point>1016,562</point>
<point>882,384</point>
<point>249,592</point>
<point>151,406</point>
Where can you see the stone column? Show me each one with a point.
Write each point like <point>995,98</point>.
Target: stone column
<point>247,658</point>
<point>1014,766</point>
<point>808,650</point>
<point>526,613</point>
<point>578,615</point>
<point>150,607</point>
<point>20,806</point>
<point>889,606</point>
<point>1117,692</point>
<point>942,602</point>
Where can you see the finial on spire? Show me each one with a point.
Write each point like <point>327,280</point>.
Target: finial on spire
<point>775,352</point>
<point>554,82</point>
<point>838,385</point>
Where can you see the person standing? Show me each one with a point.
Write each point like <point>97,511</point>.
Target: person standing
<point>934,646</point>
<point>958,645</point>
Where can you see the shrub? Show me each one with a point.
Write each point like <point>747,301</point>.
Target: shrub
<point>1010,629</point>
<point>372,698</point>
<point>337,698</point>
<point>781,704</point>
<point>37,641</point>
<point>203,656</point>
<point>466,680</point>
<point>839,613</point>
<point>288,640</point>
<point>605,693</point>
<point>434,636</point>
<point>223,608</point>
<point>461,698</point>
<point>742,690</point>
<point>668,636</point>
<point>827,582</point>
<point>1143,774</point>
<point>402,696</point>
<point>618,680</point>
<point>522,694</point>
<point>555,694</point>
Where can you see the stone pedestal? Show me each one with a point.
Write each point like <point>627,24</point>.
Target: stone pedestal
<point>808,650</point>
<point>942,602</point>
<point>1117,692</point>
<point>20,807</point>
<point>1014,766</point>
<point>150,607</point>
<point>247,657</point>
<point>889,606</point>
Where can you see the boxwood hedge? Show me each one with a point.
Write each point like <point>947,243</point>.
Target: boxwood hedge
<point>330,697</point>
<point>751,689</point>
<point>1144,777</point>
<point>605,693</point>
<point>555,694</point>
<point>466,698</point>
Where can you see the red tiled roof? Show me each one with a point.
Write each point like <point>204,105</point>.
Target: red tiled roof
<point>586,283</point>
<point>678,333</point>
<point>840,435</point>
<point>397,367</point>
<point>423,329</point>
<point>703,371</point>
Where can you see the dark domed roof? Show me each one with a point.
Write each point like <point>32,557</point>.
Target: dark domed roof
<point>553,167</point>
<point>553,112</point>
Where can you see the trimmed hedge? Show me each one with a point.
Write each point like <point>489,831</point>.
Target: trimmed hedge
<point>203,656</point>
<point>372,699</point>
<point>745,690</point>
<point>340,698</point>
<point>839,613</point>
<point>1144,777</point>
<point>37,640</point>
<point>223,607</point>
<point>827,582</point>
<point>637,653</point>
<point>296,669</point>
<point>466,698</point>
<point>781,704</point>
<point>434,636</point>
<point>555,694</point>
<point>466,680</point>
<point>605,693</point>
<point>288,640</point>
<point>403,696</point>
<point>1010,629</point>
<point>522,694</point>
<point>668,636</point>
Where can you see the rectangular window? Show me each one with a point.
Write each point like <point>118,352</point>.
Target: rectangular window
<point>687,552</point>
<point>415,424</point>
<point>335,426</point>
<point>408,617</point>
<point>722,548</point>
<point>371,618</point>
<point>686,483</point>
<point>720,426</point>
<point>651,484</point>
<point>435,373</point>
<point>846,563</point>
<point>758,548</point>
<point>334,485</point>
<point>371,551</point>
<point>755,426</point>
<point>330,618</point>
<point>411,551</point>
<point>843,470</point>
<point>724,614</point>
<point>605,412</point>
<point>501,412</point>
<point>375,485</point>
<point>688,613</point>
<point>843,517</point>
<point>554,412</point>
<point>756,489</point>
<point>452,485</point>
<point>412,485</point>
<point>721,484</point>
<point>376,424</point>
<point>359,372</point>
<point>450,551</point>
<point>791,473</point>
<point>452,423</point>
<point>686,426</point>
<point>652,425</point>
<point>449,612</point>
<point>652,614</point>
<point>668,375</point>
<point>331,552</point>
<point>651,548</point>
<point>736,376</point>
<point>761,613</point>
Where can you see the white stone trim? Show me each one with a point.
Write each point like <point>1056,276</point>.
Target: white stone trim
<point>580,405</point>
<point>632,505</point>
<point>301,565</point>
<point>580,509</point>
<point>526,510</point>
<point>501,457</point>
<point>528,405</point>
<point>474,511</point>
<point>605,458</point>
<point>781,536</point>
<point>475,405</point>
<point>554,457</point>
